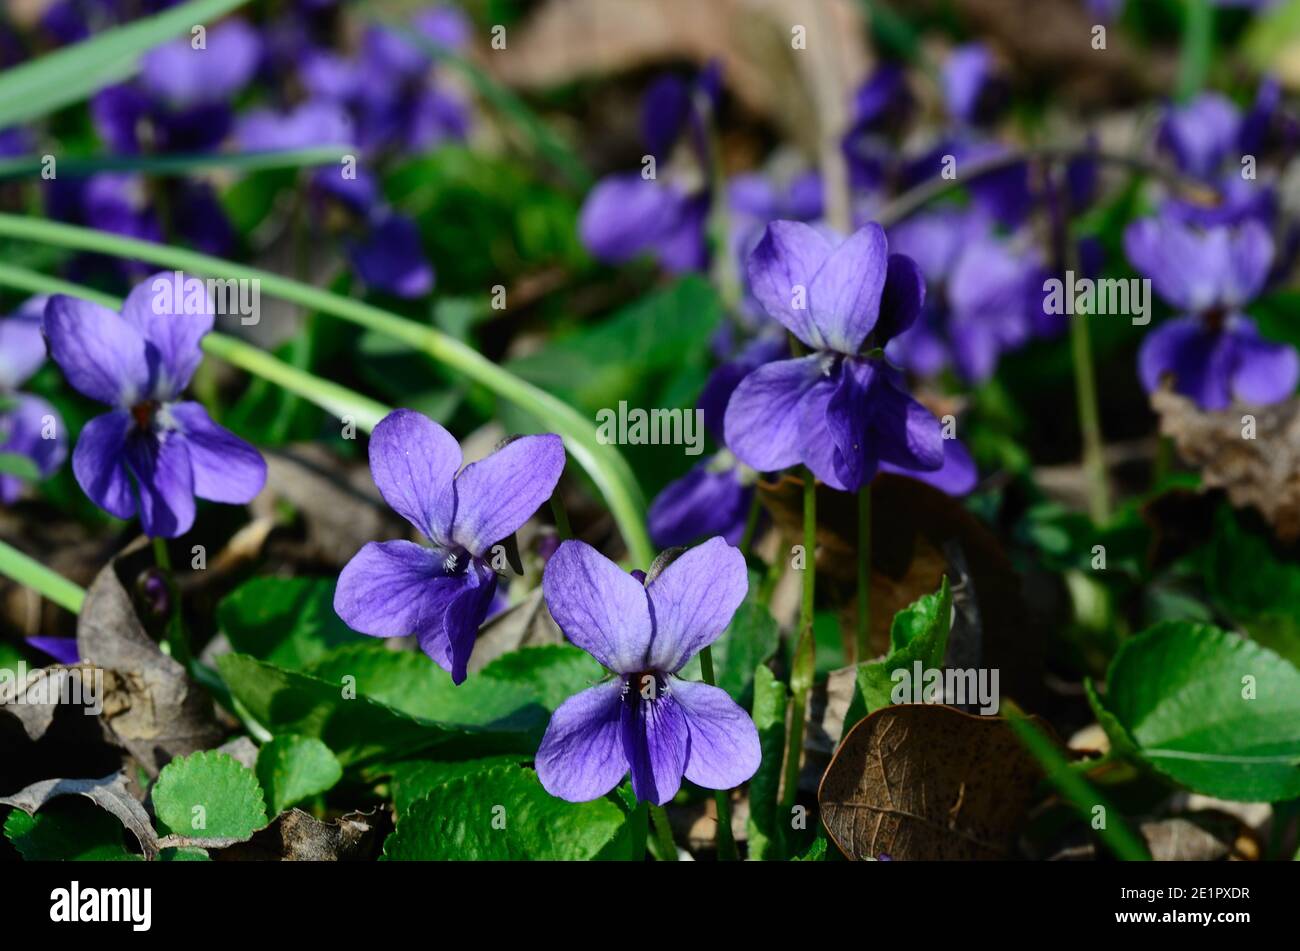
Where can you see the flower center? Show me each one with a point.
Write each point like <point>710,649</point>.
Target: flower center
<point>647,685</point>
<point>143,414</point>
<point>1215,318</point>
<point>456,562</point>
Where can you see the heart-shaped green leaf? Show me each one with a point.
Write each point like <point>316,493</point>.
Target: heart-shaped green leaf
<point>1212,711</point>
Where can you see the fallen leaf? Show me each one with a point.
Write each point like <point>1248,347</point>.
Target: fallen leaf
<point>1261,472</point>
<point>111,793</point>
<point>151,706</point>
<point>925,782</point>
<point>569,40</point>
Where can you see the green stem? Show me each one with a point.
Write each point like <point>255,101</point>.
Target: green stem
<point>607,468</point>
<point>1115,833</point>
<point>177,639</point>
<point>751,524</point>
<point>82,165</point>
<point>803,666</point>
<point>32,574</point>
<point>1197,52</point>
<point>721,797</point>
<point>663,833</point>
<point>862,643</point>
<point>1085,384</point>
<point>561,514</point>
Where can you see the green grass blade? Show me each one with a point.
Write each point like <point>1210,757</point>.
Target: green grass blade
<point>603,463</point>
<point>79,166</point>
<point>75,72</point>
<point>1119,838</point>
<point>32,574</point>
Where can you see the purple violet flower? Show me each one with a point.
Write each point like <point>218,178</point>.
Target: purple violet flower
<point>972,89</point>
<point>981,289</point>
<point>1213,350</point>
<point>23,417</point>
<point>442,594</point>
<point>152,453</point>
<point>627,214</point>
<point>645,719</point>
<point>838,410</point>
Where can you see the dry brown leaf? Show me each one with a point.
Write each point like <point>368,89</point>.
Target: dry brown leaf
<point>111,793</point>
<point>296,836</point>
<point>151,706</point>
<point>341,508</point>
<point>926,782</point>
<point>568,40</point>
<point>1262,473</point>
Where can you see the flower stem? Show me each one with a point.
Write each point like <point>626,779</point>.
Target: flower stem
<point>801,670</point>
<point>751,524</point>
<point>561,515</point>
<point>663,833</point>
<point>721,797</point>
<point>177,641</point>
<point>864,574</point>
<point>1085,385</point>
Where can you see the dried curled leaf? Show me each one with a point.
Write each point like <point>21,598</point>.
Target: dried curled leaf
<point>1259,468</point>
<point>151,706</point>
<point>111,793</point>
<point>926,782</point>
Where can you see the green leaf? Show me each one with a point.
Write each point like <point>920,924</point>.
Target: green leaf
<point>20,466</point>
<point>75,72</point>
<point>68,829</point>
<point>1212,711</point>
<point>764,826</point>
<point>554,672</point>
<point>356,727</point>
<point>208,795</point>
<point>504,814</point>
<point>410,682</point>
<point>1253,586</point>
<point>919,633</point>
<point>621,358</point>
<point>292,768</point>
<point>287,621</point>
<point>412,780</point>
<point>749,641</point>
